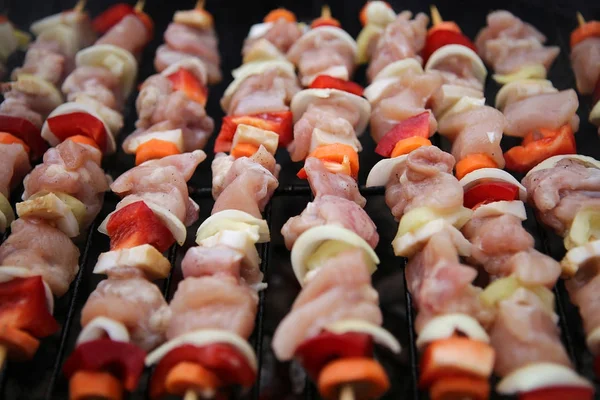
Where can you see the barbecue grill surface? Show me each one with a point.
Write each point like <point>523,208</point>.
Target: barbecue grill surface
<point>42,377</point>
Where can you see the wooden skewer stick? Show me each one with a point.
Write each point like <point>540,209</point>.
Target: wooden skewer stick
<point>580,19</point>
<point>79,6</point>
<point>139,6</point>
<point>326,12</point>
<point>190,395</point>
<point>3,356</point>
<point>200,5</point>
<point>347,393</point>
<point>436,18</point>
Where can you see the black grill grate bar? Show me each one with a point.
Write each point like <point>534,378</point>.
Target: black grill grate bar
<point>56,370</point>
<point>289,190</point>
<point>260,316</point>
<point>412,348</point>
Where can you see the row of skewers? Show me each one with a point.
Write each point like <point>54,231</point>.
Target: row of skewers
<point>327,118</point>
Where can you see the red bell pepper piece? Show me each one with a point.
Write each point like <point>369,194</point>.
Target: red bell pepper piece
<point>329,82</point>
<point>413,126</point>
<point>559,393</point>
<point>23,306</point>
<point>79,123</point>
<point>282,123</point>
<point>185,81</point>
<point>488,192</point>
<point>135,225</point>
<point>538,146</point>
<point>124,360</point>
<point>315,353</point>
<point>441,38</point>
<point>223,360</point>
<point>26,131</point>
<point>112,16</point>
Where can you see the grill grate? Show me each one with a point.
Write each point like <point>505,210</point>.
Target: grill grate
<point>42,378</point>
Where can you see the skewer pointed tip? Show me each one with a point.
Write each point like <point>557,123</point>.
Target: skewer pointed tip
<point>190,395</point>
<point>80,6</point>
<point>325,12</point>
<point>580,19</point>
<point>436,18</point>
<point>347,393</point>
<point>200,5</point>
<point>139,6</point>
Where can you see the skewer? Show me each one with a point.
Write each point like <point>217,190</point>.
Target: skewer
<point>347,393</point>
<point>3,354</point>
<point>326,12</point>
<point>190,395</point>
<point>580,19</point>
<point>139,6</point>
<point>79,6</point>
<point>436,17</point>
<point>200,5</point>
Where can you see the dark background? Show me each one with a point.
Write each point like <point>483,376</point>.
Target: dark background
<point>41,378</point>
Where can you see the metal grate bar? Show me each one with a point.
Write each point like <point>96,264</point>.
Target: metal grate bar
<point>68,321</point>
<point>264,267</point>
<point>414,365</point>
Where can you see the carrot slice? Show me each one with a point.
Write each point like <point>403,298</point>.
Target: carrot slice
<point>94,384</point>
<point>460,387</point>
<point>444,26</point>
<point>244,150</point>
<point>366,376</point>
<point>154,149</point>
<point>456,356</point>
<point>188,375</point>
<point>81,139</point>
<point>7,138</point>
<point>19,344</point>
<point>335,152</point>
<point>439,24</point>
<point>337,158</point>
<point>280,13</point>
<point>405,146</point>
<point>473,162</point>
<point>587,30</point>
